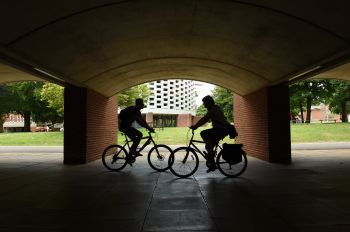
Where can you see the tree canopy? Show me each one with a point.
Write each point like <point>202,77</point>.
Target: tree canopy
<point>305,93</point>
<point>127,97</point>
<point>25,98</point>
<point>223,98</point>
<point>339,102</point>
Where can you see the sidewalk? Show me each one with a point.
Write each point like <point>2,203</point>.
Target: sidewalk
<point>40,194</point>
<point>59,149</point>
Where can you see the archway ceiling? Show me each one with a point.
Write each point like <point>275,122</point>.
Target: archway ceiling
<point>111,45</point>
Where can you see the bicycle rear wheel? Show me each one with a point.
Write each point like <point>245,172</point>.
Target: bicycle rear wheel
<point>229,169</point>
<point>114,157</point>
<point>158,157</point>
<point>183,162</point>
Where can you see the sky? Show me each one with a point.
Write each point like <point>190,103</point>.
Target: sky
<point>203,89</point>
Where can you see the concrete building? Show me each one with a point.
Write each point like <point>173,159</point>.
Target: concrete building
<point>172,97</point>
<point>172,103</point>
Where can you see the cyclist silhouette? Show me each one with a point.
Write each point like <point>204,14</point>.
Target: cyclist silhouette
<point>126,117</point>
<point>212,136</point>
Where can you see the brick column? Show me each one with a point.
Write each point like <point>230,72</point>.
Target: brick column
<point>149,118</point>
<point>184,120</point>
<point>262,123</point>
<point>90,124</point>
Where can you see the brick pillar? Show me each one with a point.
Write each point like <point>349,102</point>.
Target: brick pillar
<point>149,118</point>
<point>262,123</point>
<point>90,124</point>
<point>184,120</point>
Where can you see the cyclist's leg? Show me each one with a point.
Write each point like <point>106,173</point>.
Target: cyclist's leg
<point>209,139</point>
<point>135,135</point>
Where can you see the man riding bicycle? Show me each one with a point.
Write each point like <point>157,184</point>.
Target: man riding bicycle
<point>126,117</point>
<point>212,136</point>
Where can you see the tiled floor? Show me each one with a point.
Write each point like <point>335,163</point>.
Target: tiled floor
<point>38,193</point>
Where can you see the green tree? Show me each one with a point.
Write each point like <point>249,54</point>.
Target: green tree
<point>224,98</point>
<point>5,107</point>
<point>127,97</point>
<point>308,92</point>
<point>201,110</point>
<point>53,95</point>
<point>25,99</point>
<point>339,102</point>
<point>297,100</point>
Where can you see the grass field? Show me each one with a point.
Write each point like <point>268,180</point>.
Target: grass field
<point>31,139</point>
<point>300,133</point>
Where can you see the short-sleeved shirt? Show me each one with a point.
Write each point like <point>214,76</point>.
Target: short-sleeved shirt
<point>217,117</point>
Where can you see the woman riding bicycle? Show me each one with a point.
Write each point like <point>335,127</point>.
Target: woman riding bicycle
<point>212,136</point>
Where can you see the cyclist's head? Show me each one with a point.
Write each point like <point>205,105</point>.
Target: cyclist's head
<point>208,101</point>
<point>139,103</point>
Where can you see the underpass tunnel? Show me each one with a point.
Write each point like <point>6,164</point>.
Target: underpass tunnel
<point>97,49</point>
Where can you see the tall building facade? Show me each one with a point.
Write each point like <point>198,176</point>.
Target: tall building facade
<point>172,103</point>
<point>174,96</point>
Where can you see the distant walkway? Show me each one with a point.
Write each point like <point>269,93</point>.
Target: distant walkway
<point>321,146</point>
<point>31,149</point>
<point>59,149</point>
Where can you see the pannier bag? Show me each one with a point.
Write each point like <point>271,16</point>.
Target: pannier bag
<point>232,153</point>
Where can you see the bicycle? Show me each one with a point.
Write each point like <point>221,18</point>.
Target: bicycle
<point>114,157</point>
<point>184,161</point>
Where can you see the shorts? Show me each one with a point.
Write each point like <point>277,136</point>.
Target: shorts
<point>131,132</point>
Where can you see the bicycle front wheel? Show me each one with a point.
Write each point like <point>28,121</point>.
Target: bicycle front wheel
<point>158,157</point>
<point>114,157</point>
<point>183,162</point>
<point>229,169</point>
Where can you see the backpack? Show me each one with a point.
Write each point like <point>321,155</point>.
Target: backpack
<point>126,114</point>
<point>232,153</point>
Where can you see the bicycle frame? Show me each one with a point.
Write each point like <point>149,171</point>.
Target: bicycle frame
<point>196,149</point>
<point>148,141</point>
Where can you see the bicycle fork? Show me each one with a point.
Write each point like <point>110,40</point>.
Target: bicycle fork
<point>186,156</point>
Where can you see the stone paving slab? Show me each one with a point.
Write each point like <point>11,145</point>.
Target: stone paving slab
<point>39,193</point>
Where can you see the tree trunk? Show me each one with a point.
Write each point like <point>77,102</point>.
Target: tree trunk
<point>308,109</point>
<point>344,115</point>
<point>1,124</point>
<point>26,116</point>
<point>301,112</point>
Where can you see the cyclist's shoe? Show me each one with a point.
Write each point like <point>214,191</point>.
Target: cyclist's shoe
<point>136,154</point>
<point>211,168</point>
<point>129,160</point>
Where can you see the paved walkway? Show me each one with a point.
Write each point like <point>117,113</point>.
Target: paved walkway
<point>59,149</point>
<point>38,193</point>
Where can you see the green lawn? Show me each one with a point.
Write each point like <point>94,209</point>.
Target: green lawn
<point>301,133</point>
<point>317,132</point>
<point>31,139</point>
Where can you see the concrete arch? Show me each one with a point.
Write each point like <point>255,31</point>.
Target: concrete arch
<point>211,71</point>
<point>253,47</point>
<point>82,40</point>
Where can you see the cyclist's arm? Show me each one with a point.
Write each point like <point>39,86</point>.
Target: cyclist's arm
<point>201,122</point>
<point>142,122</point>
